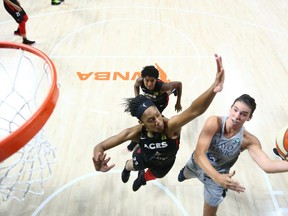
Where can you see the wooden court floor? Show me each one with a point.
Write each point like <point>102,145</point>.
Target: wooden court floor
<point>99,47</point>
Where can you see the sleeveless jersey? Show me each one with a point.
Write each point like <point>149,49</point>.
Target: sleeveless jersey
<point>158,149</point>
<point>224,152</point>
<point>160,100</point>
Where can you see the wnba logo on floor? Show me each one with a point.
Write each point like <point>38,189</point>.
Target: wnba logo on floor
<point>107,76</point>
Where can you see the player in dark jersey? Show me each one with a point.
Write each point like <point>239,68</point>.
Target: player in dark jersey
<point>158,137</point>
<point>14,8</point>
<point>156,90</point>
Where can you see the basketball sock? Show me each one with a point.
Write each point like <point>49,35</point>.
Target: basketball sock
<point>17,32</point>
<point>148,175</point>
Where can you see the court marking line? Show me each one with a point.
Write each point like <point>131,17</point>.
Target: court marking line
<point>199,12</point>
<point>177,10</point>
<point>272,194</point>
<point>80,29</point>
<point>165,26</point>
<point>71,183</point>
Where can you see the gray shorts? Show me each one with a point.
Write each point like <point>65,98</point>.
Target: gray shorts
<point>213,193</point>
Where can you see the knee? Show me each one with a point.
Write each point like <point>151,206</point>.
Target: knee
<point>214,201</point>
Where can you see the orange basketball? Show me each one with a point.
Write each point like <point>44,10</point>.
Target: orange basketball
<point>282,142</point>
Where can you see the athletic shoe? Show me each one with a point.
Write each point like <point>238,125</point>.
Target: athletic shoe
<point>139,181</point>
<point>17,32</point>
<point>125,175</point>
<point>131,146</point>
<point>55,2</point>
<point>28,42</point>
<point>181,176</point>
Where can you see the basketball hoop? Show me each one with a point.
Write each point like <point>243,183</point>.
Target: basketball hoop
<point>28,96</point>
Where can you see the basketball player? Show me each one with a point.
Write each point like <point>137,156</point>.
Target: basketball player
<point>158,137</point>
<point>157,90</point>
<point>14,8</point>
<point>219,145</point>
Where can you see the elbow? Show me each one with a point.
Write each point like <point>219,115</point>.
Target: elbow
<point>268,169</point>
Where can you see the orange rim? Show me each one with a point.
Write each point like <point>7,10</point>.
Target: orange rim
<point>18,138</point>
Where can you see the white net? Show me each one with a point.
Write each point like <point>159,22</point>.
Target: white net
<point>25,81</point>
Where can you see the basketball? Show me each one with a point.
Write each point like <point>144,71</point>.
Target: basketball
<point>282,142</point>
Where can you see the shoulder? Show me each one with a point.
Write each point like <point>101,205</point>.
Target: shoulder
<point>172,134</point>
<point>132,132</point>
<point>139,80</point>
<point>214,120</point>
<point>249,136</point>
<point>212,124</point>
<point>250,140</point>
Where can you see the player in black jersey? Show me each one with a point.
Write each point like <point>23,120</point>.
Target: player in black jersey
<point>158,137</point>
<point>156,90</point>
<point>14,8</point>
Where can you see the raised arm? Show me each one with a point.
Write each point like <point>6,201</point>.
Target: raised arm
<point>174,85</point>
<point>99,157</point>
<point>199,105</point>
<point>137,86</point>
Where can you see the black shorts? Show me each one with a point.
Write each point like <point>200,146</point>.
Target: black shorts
<point>158,168</point>
<point>162,102</point>
<point>18,16</point>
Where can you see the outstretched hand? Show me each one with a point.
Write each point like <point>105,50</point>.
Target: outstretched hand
<point>178,107</point>
<point>219,81</point>
<point>100,162</point>
<point>227,182</point>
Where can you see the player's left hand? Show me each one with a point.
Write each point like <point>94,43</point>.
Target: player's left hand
<point>101,162</point>
<point>219,81</point>
<point>178,107</point>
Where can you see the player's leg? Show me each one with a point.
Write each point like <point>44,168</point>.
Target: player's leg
<point>22,30</point>
<point>136,163</point>
<point>209,210</point>
<point>188,171</point>
<point>155,170</point>
<point>214,194</point>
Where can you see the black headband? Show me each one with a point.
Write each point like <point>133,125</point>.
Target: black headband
<point>141,109</point>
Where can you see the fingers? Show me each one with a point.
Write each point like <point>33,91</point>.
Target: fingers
<point>236,187</point>
<point>220,74</point>
<point>107,168</point>
<point>100,162</point>
<point>233,184</point>
<point>219,63</point>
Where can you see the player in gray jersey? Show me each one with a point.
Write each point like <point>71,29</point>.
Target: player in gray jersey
<point>219,145</point>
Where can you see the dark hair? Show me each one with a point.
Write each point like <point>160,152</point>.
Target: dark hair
<point>133,105</point>
<point>150,71</point>
<point>248,100</point>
